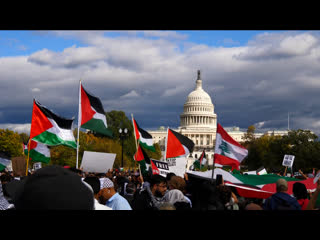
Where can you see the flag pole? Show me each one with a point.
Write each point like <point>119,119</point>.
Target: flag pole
<point>166,143</point>
<point>135,141</point>
<point>79,119</point>
<point>28,157</point>
<point>29,140</point>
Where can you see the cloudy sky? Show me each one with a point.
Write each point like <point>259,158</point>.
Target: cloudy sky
<point>253,77</point>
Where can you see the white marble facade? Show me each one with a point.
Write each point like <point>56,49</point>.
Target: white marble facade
<point>199,123</point>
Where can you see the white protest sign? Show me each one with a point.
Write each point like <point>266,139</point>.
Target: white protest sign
<point>163,167</point>
<point>177,165</point>
<point>288,160</point>
<point>97,161</point>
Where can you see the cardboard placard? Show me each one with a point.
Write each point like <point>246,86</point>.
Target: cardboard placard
<point>19,165</point>
<point>98,162</point>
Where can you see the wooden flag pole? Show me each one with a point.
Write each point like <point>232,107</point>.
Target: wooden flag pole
<point>79,119</point>
<point>28,157</point>
<point>27,165</point>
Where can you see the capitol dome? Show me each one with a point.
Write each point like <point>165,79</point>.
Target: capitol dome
<point>198,110</point>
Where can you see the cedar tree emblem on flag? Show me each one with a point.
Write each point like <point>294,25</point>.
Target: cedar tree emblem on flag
<point>227,150</point>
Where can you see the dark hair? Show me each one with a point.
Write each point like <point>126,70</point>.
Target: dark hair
<point>157,179</point>
<point>94,182</point>
<point>6,178</point>
<point>299,190</point>
<point>224,193</point>
<point>75,170</point>
<point>130,188</point>
<point>170,175</point>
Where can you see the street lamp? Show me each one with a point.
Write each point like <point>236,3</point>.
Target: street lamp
<point>123,135</point>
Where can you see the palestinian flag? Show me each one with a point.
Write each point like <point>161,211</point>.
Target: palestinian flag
<point>92,114</point>
<point>4,163</point>
<point>143,137</point>
<point>177,145</point>
<point>49,128</point>
<point>227,150</point>
<point>201,161</point>
<point>254,186</point>
<point>38,152</point>
<point>142,158</point>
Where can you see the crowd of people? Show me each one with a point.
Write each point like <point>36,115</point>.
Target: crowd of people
<point>56,187</point>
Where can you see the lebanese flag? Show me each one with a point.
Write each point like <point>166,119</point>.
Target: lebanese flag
<point>227,150</point>
<point>92,114</point>
<point>49,128</point>
<point>143,137</point>
<point>38,152</point>
<point>177,145</point>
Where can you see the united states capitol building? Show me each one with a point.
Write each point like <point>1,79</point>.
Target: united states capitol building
<point>198,122</point>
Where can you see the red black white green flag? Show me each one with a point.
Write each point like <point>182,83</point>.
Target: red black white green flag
<point>91,113</point>
<point>49,128</point>
<point>227,150</point>
<point>142,158</point>
<point>38,152</point>
<point>201,161</point>
<point>143,137</point>
<point>177,145</point>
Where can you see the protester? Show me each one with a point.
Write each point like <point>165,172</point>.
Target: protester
<point>51,188</point>
<point>301,194</point>
<point>179,183</point>
<point>167,206</point>
<point>253,206</point>
<point>313,200</point>
<point>111,198</point>
<point>225,196</point>
<point>94,182</point>
<point>281,200</point>
<point>4,198</point>
<point>177,198</point>
<point>129,191</point>
<point>151,197</point>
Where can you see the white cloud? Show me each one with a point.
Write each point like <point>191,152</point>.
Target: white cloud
<point>20,128</point>
<point>35,90</point>
<point>131,94</point>
<point>283,76</point>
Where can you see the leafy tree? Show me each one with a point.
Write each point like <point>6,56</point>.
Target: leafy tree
<point>249,136</point>
<point>268,151</point>
<point>10,142</point>
<point>24,137</point>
